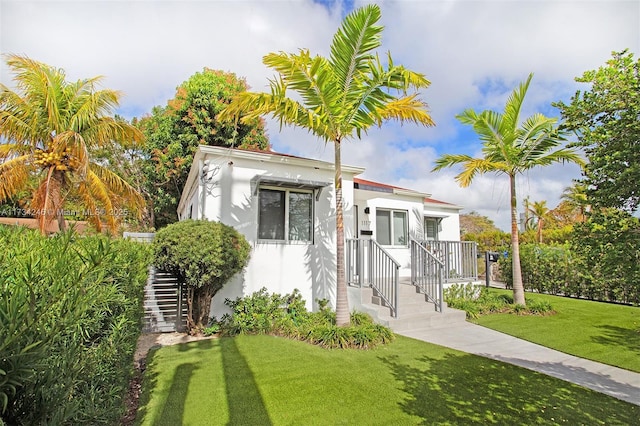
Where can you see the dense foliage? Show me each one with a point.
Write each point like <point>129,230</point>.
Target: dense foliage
<point>606,249</point>
<point>605,119</point>
<point>190,119</point>
<point>264,313</point>
<point>205,255</point>
<point>601,262</point>
<point>70,312</point>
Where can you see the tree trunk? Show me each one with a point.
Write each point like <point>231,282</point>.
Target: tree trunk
<point>342,301</point>
<point>47,201</point>
<point>518,287</point>
<point>540,230</point>
<point>190,303</point>
<point>204,295</point>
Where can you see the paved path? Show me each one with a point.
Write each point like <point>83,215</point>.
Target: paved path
<point>475,339</point>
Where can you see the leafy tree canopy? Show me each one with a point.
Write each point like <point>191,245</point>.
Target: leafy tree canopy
<point>475,223</point>
<point>190,119</point>
<point>605,119</point>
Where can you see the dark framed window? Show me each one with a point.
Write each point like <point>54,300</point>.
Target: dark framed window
<point>285,215</point>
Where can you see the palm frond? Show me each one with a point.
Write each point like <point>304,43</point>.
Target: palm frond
<point>511,116</point>
<point>116,185</point>
<point>408,108</point>
<point>477,166</point>
<point>101,192</point>
<point>14,175</point>
<point>449,160</point>
<point>353,43</point>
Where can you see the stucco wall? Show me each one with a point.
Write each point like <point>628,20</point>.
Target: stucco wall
<point>281,267</point>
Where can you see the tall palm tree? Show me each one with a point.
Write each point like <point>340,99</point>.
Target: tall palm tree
<point>510,148</point>
<point>339,98</point>
<point>49,126</point>
<point>538,212</point>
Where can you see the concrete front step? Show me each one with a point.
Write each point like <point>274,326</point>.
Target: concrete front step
<point>426,320</point>
<point>414,311</point>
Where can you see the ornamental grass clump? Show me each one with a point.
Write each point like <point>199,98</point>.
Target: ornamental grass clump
<point>287,316</point>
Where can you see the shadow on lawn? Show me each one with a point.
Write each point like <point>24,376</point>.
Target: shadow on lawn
<point>619,337</point>
<point>246,406</point>
<point>466,389</point>
<point>174,404</point>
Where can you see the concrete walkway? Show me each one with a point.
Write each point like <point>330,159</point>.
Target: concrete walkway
<point>478,340</point>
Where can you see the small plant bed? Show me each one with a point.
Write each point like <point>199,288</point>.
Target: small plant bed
<point>477,301</point>
<point>599,331</point>
<point>266,380</point>
<point>287,316</point>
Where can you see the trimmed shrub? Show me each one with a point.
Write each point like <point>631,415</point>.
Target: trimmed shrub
<point>264,313</point>
<point>205,255</point>
<point>70,313</point>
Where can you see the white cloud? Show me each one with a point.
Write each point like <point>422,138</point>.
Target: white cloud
<point>147,48</point>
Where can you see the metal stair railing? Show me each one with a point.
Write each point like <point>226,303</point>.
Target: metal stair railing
<point>459,258</point>
<point>427,273</point>
<point>369,264</point>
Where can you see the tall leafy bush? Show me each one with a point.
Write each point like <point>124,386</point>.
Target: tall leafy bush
<point>205,255</point>
<point>70,311</point>
<point>607,249</point>
<point>601,262</point>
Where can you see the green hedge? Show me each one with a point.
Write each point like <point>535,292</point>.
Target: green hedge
<point>601,272</point>
<point>70,313</point>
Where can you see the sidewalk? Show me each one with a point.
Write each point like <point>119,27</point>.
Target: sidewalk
<point>478,340</point>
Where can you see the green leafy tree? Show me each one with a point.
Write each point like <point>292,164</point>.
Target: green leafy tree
<point>190,119</point>
<point>205,255</point>
<point>51,125</point>
<point>510,148</point>
<point>475,223</point>
<point>339,98</point>
<point>605,119</point>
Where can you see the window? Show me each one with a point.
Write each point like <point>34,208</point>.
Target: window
<point>431,228</point>
<point>285,215</point>
<point>391,227</point>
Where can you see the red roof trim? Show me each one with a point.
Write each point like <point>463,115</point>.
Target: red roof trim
<point>384,185</point>
<point>376,184</point>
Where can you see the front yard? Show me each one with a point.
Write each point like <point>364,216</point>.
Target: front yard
<point>259,380</point>
<point>602,332</point>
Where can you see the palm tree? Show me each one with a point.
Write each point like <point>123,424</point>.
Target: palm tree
<point>510,148</point>
<point>538,212</point>
<point>340,97</point>
<point>49,126</point>
<point>576,196</point>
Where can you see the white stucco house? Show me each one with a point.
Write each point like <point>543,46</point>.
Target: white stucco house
<point>285,207</point>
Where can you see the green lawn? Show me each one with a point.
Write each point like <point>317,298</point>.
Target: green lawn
<point>262,380</point>
<point>602,332</point>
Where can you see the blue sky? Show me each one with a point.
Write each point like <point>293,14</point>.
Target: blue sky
<point>473,51</point>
